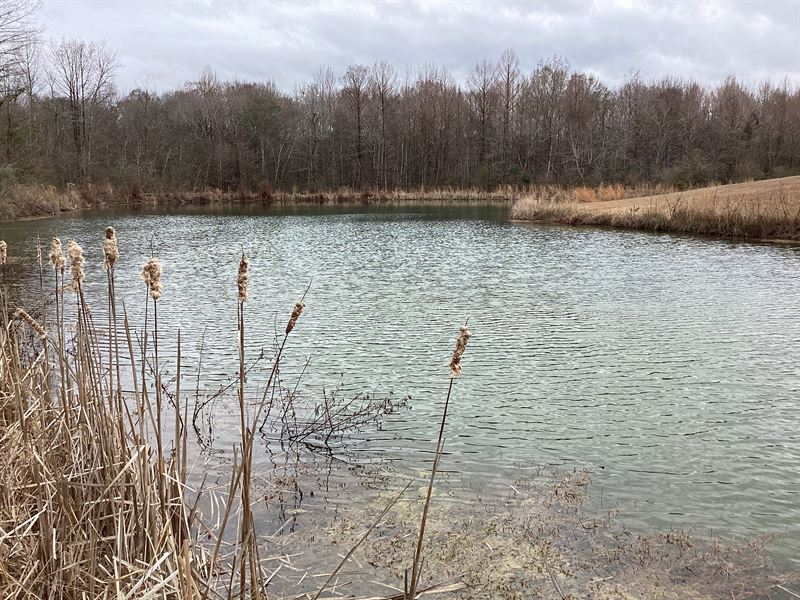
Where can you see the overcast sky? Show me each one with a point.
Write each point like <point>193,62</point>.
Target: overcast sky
<point>164,44</point>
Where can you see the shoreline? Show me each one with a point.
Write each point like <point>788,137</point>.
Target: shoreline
<point>760,211</point>
<point>766,211</point>
<point>708,236</point>
<point>279,199</point>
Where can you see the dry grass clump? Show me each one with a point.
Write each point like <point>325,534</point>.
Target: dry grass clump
<point>86,511</point>
<point>18,201</point>
<point>555,194</point>
<point>603,193</point>
<point>94,503</point>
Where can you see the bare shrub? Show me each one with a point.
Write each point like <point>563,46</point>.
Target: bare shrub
<point>265,191</point>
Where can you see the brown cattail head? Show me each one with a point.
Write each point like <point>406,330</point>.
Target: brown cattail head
<point>241,279</point>
<point>76,262</point>
<point>461,345</point>
<point>35,325</point>
<point>110,249</point>
<point>298,310</point>
<point>3,252</point>
<point>57,254</point>
<point>151,275</point>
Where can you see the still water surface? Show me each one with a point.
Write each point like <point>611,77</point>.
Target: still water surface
<point>666,365</point>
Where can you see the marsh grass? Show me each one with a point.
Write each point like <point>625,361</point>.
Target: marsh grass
<point>24,201</point>
<point>500,195</point>
<point>95,494</point>
<point>19,201</point>
<point>770,217</point>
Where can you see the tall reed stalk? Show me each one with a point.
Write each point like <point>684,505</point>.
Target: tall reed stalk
<point>455,372</point>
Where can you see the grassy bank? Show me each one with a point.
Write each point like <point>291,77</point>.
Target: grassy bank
<point>763,210</point>
<point>32,201</point>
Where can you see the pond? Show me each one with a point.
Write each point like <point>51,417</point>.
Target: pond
<point>665,365</point>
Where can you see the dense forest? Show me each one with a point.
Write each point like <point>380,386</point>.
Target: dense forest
<point>62,119</point>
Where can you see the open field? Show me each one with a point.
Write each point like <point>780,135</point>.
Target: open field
<point>761,210</point>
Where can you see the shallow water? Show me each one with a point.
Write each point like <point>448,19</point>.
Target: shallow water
<point>666,365</point>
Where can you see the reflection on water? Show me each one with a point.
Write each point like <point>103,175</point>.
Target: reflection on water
<point>666,365</point>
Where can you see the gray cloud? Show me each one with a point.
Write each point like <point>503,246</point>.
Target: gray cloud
<point>164,44</point>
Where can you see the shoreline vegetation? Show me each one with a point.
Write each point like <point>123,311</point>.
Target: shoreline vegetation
<point>767,210</point>
<point>98,500</point>
<point>25,202</point>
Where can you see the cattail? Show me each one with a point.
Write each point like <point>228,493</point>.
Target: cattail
<point>151,275</point>
<point>39,252</point>
<point>3,252</point>
<point>76,261</point>
<point>35,325</point>
<point>57,254</point>
<point>461,345</point>
<point>241,279</point>
<point>110,249</point>
<point>298,310</point>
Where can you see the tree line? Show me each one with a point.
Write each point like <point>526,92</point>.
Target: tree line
<point>63,120</point>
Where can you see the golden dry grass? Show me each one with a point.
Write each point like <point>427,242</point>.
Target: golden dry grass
<point>763,210</point>
<point>771,194</point>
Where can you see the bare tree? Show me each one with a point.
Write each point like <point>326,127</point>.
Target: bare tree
<point>508,76</point>
<point>17,35</point>
<point>83,73</point>
<point>383,80</point>
<point>388,129</point>
<point>482,98</point>
<point>355,90</point>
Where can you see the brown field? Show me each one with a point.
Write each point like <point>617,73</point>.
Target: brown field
<point>763,210</point>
